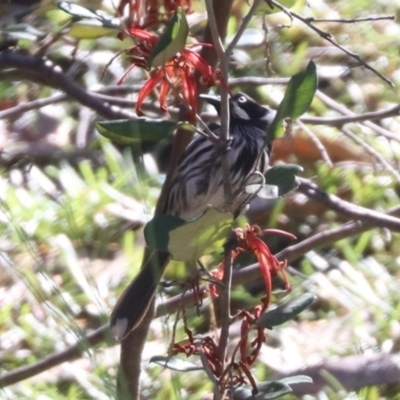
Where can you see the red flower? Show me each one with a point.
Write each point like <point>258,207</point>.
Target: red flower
<point>249,242</point>
<point>175,76</point>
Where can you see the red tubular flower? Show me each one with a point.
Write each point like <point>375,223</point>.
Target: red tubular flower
<point>143,35</point>
<point>175,76</point>
<point>250,242</point>
<point>147,88</point>
<point>197,61</point>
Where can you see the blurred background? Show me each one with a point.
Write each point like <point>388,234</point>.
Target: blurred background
<point>73,204</point>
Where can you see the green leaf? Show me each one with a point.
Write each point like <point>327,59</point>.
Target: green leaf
<point>156,232</point>
<point>131,131</point>
<point>267,390</point>
<point>176,364</point>
<point>201,236</point>
<point>92,29</point>
<point>300,92</point>
<point>172,41</point>
<point>242,393</point>
<point>286,311</point>
<point>91,23</point>
<point>296,101</point>
<point>295,379</point>
<point>283,176</point>
<point>272,390</point>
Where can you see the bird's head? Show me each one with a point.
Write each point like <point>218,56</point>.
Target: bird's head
<point>243,108</point>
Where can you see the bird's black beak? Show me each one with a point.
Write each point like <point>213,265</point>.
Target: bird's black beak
<point>214,101</point>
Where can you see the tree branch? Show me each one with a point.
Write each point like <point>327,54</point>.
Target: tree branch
<point>353,372</point>
<point>53,76</point>
<point>344,110</point>
<point>101,335</point>
<point>351,210</point>
<point>224,289</point>
<point>352,20</point>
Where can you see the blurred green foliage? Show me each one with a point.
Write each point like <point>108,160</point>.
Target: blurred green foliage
<point>72,205</point>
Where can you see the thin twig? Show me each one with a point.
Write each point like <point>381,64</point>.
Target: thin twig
<point>224,136</point>
<point>32,105</point>
<point>317,143</point>
<point>352,20</point>
<point>328,37</point>
<point>225,304</point>
<point>242,27</point>
<point>344,110</point>
<point>206,130</point>
<point>368,116</point>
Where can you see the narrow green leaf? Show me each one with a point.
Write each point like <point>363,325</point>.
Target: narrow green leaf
<point>300,92</point>
<point>131,131</point>
<point>267,390</point>
<point>92,29</point>
<point>172,41</point>
<point>242,393</point>
<point>156,232</point>
<point>286,311</point>
<point>295,379</point>
<point>176,364</point>
<point>296,101</point>
<point>283,177</point>
<point>91,23</point>
<point>201,236</point>
<point>271,390</point>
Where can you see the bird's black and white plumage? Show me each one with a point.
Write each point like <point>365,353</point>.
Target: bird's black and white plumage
<point>199,178</point>
<point>198,183</point>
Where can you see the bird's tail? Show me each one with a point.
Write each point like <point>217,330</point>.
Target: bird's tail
<point>135,300</point>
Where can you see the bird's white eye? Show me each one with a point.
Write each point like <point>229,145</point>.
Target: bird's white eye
<point>242,99</point>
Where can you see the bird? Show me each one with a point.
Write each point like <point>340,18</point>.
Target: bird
<point>198,183</point>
